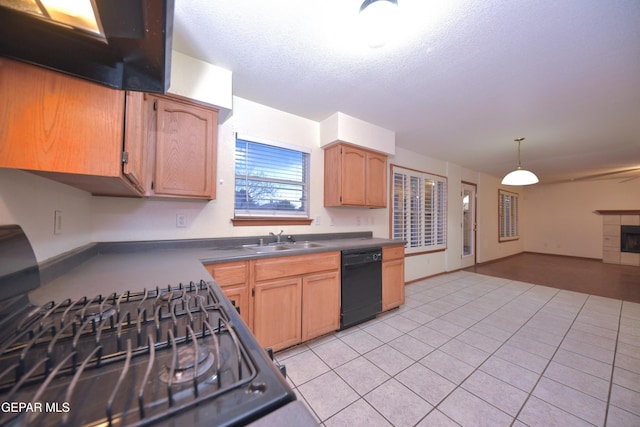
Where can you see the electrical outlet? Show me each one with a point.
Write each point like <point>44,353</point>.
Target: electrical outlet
<point>57,222</point>
<point>317,221</point>
<point>181,220</point>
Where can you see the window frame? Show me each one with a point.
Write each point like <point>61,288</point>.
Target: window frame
<point>275,216</point>
<point>434,228</point>
<point>508,216</point>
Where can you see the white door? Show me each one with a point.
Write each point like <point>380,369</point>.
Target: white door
<point>468,225</point>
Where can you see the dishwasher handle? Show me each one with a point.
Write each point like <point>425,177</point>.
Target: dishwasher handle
<point>362,257</point>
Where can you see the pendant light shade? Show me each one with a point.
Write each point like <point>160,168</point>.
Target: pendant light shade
<point>378,21</point>
<point>519,176</point>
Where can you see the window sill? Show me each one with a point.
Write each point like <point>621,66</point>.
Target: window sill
<point>255,221</point>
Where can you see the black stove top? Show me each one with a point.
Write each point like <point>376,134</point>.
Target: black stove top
<point>166,356</point>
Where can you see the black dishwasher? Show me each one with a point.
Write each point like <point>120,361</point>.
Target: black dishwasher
<point>361,285</point>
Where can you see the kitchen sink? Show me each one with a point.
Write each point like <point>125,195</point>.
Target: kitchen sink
<point>305,245</point>
<point>269,248</point>
<point>283,247</point>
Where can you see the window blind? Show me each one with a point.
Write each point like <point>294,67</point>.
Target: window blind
<point>508,215</point>
<point>270,180</point>
<point>419,209</point>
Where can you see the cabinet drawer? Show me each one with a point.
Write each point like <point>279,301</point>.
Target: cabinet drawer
<point>229,274</point>
<point>392,252</point>
<point>296,265</point>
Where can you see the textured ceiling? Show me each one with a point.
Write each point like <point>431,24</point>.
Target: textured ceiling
<point>459,81</point>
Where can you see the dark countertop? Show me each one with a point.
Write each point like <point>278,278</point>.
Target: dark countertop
<point>118,267</point>
<point>105,268</point>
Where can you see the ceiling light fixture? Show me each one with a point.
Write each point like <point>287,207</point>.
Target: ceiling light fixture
<point>378,21</point>
<point>519,176</point>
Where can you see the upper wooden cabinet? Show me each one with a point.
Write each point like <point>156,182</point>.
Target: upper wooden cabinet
<point>105,141</point>
<point>183,140</point>
<point>354,176</point>
<point>63,128</point>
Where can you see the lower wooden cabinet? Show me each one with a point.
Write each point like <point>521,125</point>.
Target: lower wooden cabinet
<point>277,312</point>
<point>320,304</point>
<point>392,277</point>
<point>233,279</point>
<point>297,298</point>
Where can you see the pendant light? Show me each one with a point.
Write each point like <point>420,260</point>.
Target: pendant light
<point>378,21</point>
<point>519,176</point>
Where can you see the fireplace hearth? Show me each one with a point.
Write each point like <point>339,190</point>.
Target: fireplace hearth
<point>630,238</point>
<point>620,236</point>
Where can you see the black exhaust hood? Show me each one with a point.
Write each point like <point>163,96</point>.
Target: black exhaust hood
<point>135,54</point>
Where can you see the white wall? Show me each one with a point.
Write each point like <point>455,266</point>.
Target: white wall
<point>117,219</point>
<point>30,201</point>
<point>560,219</point>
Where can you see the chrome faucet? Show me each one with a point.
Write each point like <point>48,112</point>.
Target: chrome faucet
<point>277,236</point>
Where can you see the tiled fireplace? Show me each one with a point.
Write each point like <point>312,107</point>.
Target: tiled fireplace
<point>612,222</point>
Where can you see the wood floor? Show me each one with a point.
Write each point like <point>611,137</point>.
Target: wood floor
<point>576,274</point>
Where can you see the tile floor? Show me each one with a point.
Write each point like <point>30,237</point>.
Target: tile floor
<point>473,350</point>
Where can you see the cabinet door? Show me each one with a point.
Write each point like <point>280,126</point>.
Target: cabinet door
<point>58,123</point>
<point>233,279</point>
<point>277,313</point>
<point>135,140</point>
<point>376,180</point>
<point>392,284</point>
<point>185,151</point>
<point>354,176</point>
<point>320,304</point>
<point>239,297</point>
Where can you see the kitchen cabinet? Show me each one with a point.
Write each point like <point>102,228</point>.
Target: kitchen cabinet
<point>105,141</point>
<point>354,176</point>
<point>278,311</point>
<point>182,140</point>
<point>297,298</point>
<point>320,303</point>
<point>392,276</point>
<point>65,129</point>
<point>233,279</point>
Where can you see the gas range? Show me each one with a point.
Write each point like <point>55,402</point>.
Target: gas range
<point>177,355</point>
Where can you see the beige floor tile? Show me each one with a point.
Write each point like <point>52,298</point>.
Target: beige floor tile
<point>479,341</point>
<point>498,393</point>
<point>510,373</point>
<point>398,404</point>
<point>361,341</point>
<point>617,417</point>
<point>359,413</point>
<point>430,336</point>
<point>327,394</point>
<point>572,401</point>
<point>427,384</point>
<point>304,366</point>
<point>465,352</point>
<point>625,398</point>
<point>522,358</point>
<point>335,353</point>
<point>436,418</point>
<point>362,375</point>
<point>389,359</point>
<point>627,379</point>
<point>538,413</point>
<point>586,383</point>
<point>584,363</point>
<point>383,331</point>
<point>412,347</point>
<point>469,410</point>
<point>449,367</point>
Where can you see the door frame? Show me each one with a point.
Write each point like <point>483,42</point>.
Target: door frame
<point>469,260</point>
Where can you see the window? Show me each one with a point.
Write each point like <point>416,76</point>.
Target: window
<point>271,179</point>
<point>419,210</point>
<point>508,216</point>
